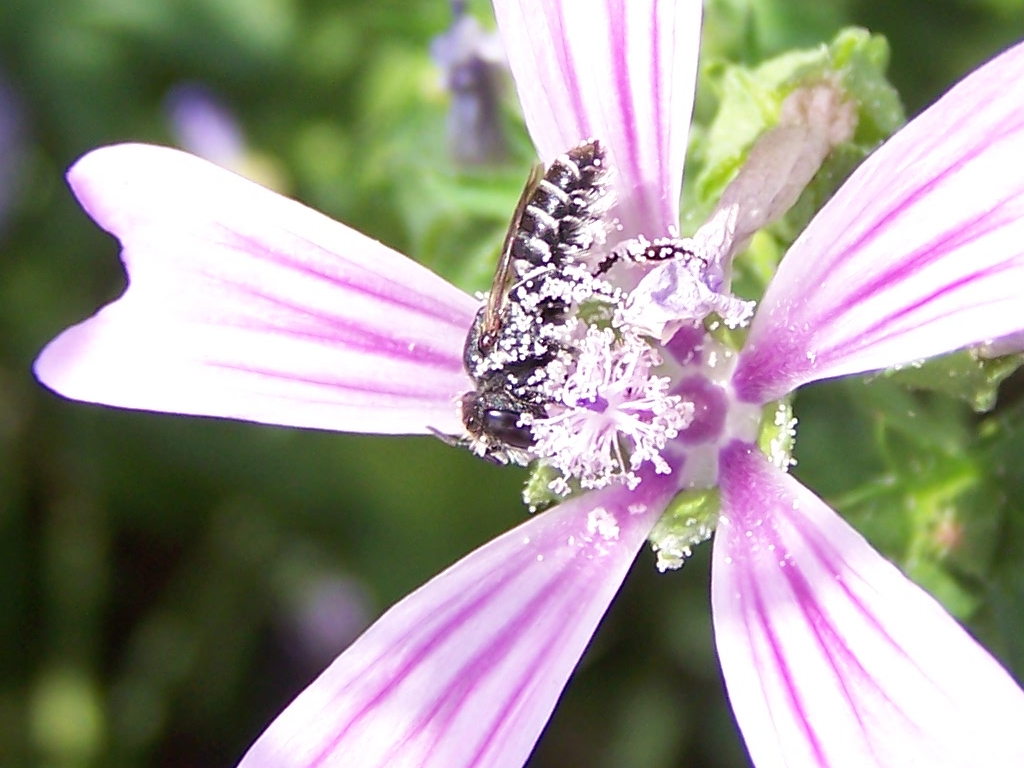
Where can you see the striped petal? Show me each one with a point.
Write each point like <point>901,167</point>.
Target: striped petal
<point>1005,345</point>
<point>920,252</point>
<point>615,70</point>
<point>466,670</point>
<point>244,304</point>
<point>830,655</point>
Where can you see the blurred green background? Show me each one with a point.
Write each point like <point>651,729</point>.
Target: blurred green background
<point>167,583</point>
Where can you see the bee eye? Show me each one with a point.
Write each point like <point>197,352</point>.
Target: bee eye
<point>505,426</point>
<point>486,341</point>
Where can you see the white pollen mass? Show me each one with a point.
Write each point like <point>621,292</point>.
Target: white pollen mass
<point>601,523</point>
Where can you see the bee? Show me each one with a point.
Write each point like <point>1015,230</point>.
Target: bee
<point>516,351</point>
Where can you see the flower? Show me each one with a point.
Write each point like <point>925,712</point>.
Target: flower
<point>246,305</point>
<point>202,124</point>
<point>12,150</point>
<point>471,63</point>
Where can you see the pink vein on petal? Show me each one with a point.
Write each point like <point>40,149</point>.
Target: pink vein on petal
<point>841,660</point>
<point>916,194</point>
<point>944,244</point>
<point>482,664</point>
<point>392,294</point>
<point>672,180</point>
<point>416,656</point>
<point>343,330</point>
<point>758,622</point>
<point>618,29</point>
<point>572,79</point>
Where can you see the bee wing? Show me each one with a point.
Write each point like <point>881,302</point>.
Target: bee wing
<point>501,282</point>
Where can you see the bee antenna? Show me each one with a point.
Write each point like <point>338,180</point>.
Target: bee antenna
<point>454,442</point>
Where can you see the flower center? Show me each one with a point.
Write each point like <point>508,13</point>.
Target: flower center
<point>629,398</point>
<point>576,371</point>
<point>710,404</point>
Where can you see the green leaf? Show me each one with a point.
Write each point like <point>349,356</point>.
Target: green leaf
<point>689,519</point>
<point>964,375</point>
<point>750,98</point>
<point>537,493</point>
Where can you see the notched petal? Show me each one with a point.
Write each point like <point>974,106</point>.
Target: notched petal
<point>244,304</point>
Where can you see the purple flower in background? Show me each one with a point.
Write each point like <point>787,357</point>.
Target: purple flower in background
<point>11,148</point>
<point>247,305</point>
<point>202,124</point>
<point>472,68</point>
<point>323,612</point>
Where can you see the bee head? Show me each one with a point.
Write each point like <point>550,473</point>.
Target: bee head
<point>492,417</point>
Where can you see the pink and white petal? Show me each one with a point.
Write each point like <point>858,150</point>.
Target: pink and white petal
<point>831,656</point>
<point>1012,344</point>
<point>466,670</point>
<point>621,71</point>
<point>244,304</point>
<point>920,252</point>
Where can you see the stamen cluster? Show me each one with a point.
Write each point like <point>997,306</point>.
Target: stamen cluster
<point>613,413</point>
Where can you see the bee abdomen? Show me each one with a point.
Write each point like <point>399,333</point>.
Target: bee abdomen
<point>530,250</point>
<point>538,223</point>
<point>564,211</point>
<point>551,199</point>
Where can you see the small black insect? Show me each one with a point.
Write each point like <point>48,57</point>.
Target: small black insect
<point>663,249</point>
<point>516,349</point>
